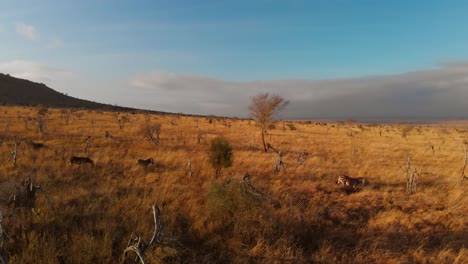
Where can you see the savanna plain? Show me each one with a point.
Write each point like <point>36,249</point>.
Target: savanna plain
<point>295,215</point>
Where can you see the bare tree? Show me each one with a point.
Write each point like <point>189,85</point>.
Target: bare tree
<point>151,133</point>
<point>264,109</point>
<point>41,119</point>
<point>65,115</point>
<point>411,175</point>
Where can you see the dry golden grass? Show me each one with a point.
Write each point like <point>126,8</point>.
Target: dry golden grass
<point>209,220</point>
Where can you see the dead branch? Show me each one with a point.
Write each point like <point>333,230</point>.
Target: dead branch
<point>411,175</point>
<point>201,137</point>
<point>279,163</point>
<point>189,168</point>
<point>140,247</point>
<point>108,135</point>
<point>269,146</point>
<point>248,187</point>
<point>302,157</point>
<point>26,197</point>
<point>87,141</point>
<point>14,152</point>
<point>1,230</point>
<point>464,166</point>
<point>49,201</point>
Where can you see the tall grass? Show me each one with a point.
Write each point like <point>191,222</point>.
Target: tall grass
<point>216,221</point>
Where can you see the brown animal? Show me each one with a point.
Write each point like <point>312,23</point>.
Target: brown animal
<point>350,181</point>
<point>81,160</point>
<point>37,146</point>
<point>146,162</point>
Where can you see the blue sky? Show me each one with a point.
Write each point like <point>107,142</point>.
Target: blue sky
<point>104,45</point>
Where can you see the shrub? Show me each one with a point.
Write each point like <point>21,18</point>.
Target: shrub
<point>292,127</point>
<point>227,202</point>
<point>220,154</point>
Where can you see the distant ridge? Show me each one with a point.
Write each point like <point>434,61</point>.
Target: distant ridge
<point>16,91</point>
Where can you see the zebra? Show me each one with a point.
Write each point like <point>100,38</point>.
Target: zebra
<point>81,160</point>
<point>146,162</point>
<point>350,181</point>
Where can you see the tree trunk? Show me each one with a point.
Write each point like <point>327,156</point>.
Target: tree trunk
<point>263,140</point>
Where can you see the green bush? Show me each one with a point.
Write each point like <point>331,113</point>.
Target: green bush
<point>220,154</point>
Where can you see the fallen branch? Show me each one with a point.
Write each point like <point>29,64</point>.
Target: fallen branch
<point>140,247</point>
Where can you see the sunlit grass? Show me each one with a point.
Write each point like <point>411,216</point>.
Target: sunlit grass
<point>208,220</point>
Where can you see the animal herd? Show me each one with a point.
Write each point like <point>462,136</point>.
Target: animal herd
<point>346,181</point>
<point>85,160</point>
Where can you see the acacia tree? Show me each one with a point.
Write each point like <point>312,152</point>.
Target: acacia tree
<point>264,109</point>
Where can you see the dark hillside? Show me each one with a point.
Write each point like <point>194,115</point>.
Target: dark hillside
<point>15,91</point>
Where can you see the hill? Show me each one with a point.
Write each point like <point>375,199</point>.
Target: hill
<point>16,91</point>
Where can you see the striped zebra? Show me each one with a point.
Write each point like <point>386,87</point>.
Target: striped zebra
<point>350,181</point>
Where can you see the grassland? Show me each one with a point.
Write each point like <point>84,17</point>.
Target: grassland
<point>212,220</point>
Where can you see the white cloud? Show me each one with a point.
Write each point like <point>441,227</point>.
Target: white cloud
<point>34,71</point>
<point>55,43</point>
<point>27,31</point>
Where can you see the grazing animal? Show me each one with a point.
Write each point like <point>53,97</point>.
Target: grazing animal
<point>37,146</point>
<point>350,182</point>
<point>34,145</point>
<point>81,160</point>
<point>146,162</point>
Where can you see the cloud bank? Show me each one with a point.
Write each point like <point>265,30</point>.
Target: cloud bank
<point>440,93</point>
<point>429,94</point>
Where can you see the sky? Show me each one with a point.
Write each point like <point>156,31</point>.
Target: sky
<point>330,58</point>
